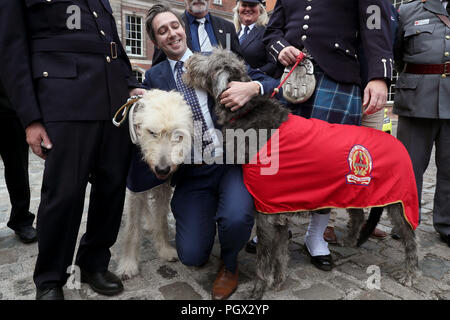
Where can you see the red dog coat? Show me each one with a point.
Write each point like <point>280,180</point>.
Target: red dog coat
<point>320,165</point>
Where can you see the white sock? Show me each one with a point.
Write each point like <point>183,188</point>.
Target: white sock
<point>314,241</point>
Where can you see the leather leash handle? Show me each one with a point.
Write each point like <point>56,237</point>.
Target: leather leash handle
<point>444,19</point>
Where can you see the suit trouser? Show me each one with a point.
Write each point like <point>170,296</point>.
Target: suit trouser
<point>14,152</point>
<point>418,135</point>
<point>93,151</point>
<point>205,196</point>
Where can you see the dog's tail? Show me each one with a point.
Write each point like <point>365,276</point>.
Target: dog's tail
<point>372,221</point>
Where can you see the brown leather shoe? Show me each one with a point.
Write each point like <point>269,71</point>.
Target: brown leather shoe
<point>329,235</point>
<point>225,284</point>
<point>379,234</point>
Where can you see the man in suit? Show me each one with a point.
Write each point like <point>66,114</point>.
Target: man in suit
<point>205,31</point>
<point>14,153</point>
<point>219,31</point>
<point>422,55</point>
<point>206,196</point>
<point>250,20</point>
<point>67,76</point>
<point>329,32</point>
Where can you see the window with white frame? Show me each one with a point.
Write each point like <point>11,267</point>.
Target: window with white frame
<point>139,75</point>
<point>134,36</point>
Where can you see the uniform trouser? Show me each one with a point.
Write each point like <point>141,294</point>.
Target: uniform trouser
<point>14,153</point>
<point>82,152</point>
<point>418,135</point>
<point>206,197</point>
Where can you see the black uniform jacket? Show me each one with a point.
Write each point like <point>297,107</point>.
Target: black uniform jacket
<point>62,60</point>
<point>330,30</point>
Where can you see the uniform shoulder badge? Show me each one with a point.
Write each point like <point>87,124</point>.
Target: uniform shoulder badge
<point>360,164</point>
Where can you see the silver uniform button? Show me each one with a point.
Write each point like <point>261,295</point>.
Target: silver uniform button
<point>304,37</point>
<point>45,73</point>
<point>336,45</point>
<point>305,27</point>
<point>347,51</point>
<point>49,0</point>
<point>95,14</point>
<point>308,8</point>
<point>108,59</point>
<point>102,32</point>
<point>306,17</point>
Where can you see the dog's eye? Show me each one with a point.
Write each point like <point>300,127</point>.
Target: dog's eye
<point>153,134</point>
<point>178,138</point>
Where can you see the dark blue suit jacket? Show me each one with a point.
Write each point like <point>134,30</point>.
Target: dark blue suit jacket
<point>154,78</point>
<point>255,53</point>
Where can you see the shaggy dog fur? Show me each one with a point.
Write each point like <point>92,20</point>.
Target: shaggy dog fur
<point>164,126</point>
<point>212,73</point>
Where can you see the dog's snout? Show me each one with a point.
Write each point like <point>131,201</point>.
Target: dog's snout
<point>162,170</point>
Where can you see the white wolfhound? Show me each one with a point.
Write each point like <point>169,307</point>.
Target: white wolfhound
<point>161,125</point>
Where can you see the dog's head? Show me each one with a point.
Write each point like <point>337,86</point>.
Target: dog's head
<point>213,72</point>
<point>163,124</point>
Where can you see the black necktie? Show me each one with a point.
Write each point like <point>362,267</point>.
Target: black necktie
<point>191,98</point>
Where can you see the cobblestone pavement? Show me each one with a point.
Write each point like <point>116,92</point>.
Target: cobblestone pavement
<point>351,279</point>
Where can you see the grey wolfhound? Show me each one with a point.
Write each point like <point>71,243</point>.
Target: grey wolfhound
<point>212,73</point>
<point>161,126</point>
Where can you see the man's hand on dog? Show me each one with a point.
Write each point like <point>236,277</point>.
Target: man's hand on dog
<point>38,139</point>
<point>137,92</point>
<point>375,96</point>
<point>238,94</point>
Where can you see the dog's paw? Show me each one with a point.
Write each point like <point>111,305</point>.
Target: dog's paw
<point>127,269</point>
<point>258,290</point>
<point>168,253</point>
<point>405,278</point>
<point>348,242</point>
<point>410,279</point>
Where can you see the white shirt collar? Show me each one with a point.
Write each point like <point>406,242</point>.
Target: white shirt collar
<point>186,56</point>
<point>250,27</point>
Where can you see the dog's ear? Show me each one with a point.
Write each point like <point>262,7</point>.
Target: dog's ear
<point>221,83</point>
<point>196,71</point>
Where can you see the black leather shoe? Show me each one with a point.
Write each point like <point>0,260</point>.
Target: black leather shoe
<point>27,234</point>
<point>324,263</point>
<point>50,294</point>
<point>105,283</point>
<point>395,234</point>
<point>250,247</point>
<point>445,238</point>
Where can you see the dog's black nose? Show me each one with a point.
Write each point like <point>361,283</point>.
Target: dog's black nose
<point>162,171</point>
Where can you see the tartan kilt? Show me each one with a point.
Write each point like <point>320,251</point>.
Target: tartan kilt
<point>331,101</point>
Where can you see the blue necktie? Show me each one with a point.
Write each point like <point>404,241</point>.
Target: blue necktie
<point>244,35</point>
<point>191,98</point>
